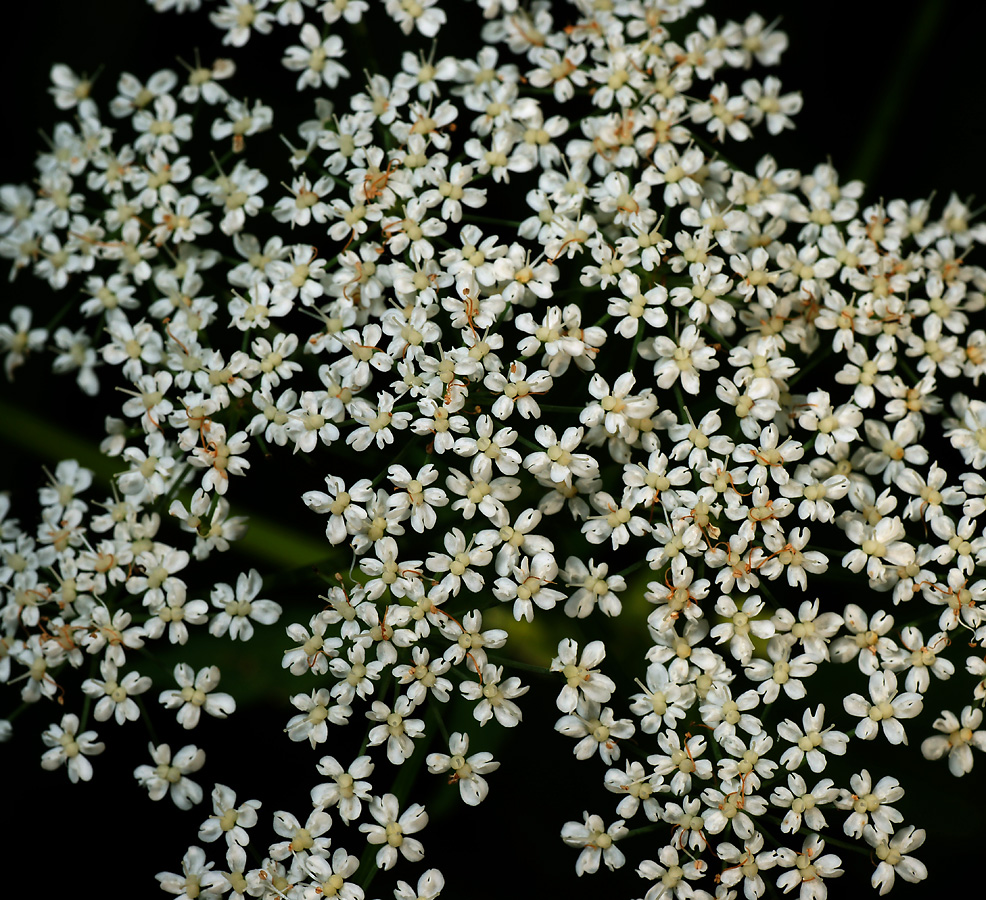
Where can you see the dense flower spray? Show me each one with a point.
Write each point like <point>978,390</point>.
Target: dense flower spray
<point>537,355</point>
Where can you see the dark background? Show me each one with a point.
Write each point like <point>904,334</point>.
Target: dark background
<point>891,94</point>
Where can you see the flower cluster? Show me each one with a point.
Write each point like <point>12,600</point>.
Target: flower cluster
<point>538,352</point>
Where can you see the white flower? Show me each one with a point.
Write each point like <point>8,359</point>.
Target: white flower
<point>558,462</point>
<point>957,739</point>
<point>115,693</point>
<point>220,458</point>
<point>811,742</point>
<point>70,748</point>
<point>747,762</point>
<point>424,676</point>
<point>869,802</point>
<point>430,885</point>
<point>196,877</point>
<point>636,787</point>
<point>890,453</point>
<point>745,865</point>
<point>392,830</point>
<point>258,307</point>
<point>664,700</point>
<point>468,640</point>
<point>526,587</point>
<point>581,678</point>
<point>303,840</point>
<point>197,692</point>
<point>347,789</point>
<point>684,759</point>
<point>613,409</point>
<point>770,457</point>
<point>833,425</point>
<point>111,635</point>
<point>315,650</point>
<point>239,608</point>
<point>616,520</point>
<point>801,803</point>
<point>422,14</point>
<point>468,772</point>
<point>414,499</point>
<point>397,727</point>
<point>724,713</point>
<point>495,697</point>
<point>239,16</point>
<point>596,727</point>
<point>460,563</point>
<point>229,819</point>
<point>488,448</point>
<point>685,358</point>
<point>675,171</point>
<point>808,868</point>
<point>515,539</point>
<point>331,874</point>
<point>921,659</point>
<point>355,676</point>
<point>596,841</point>
<point>315,60</point>
<point>671,879</point>
<point>517,391</point>
<point>595,587</point>
<point>867,638</point>
<point>731,809</point>
<point>317,711</point>
<point>893,858</point>
<point>346,516</point>
<point>18,339</point>
<point>168,775</point>
<point>741,627</point>
<point>886,709</point>
<point>70,90</point>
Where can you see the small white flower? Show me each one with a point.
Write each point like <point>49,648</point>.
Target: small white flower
<point>957,738</point>
<point>495,696</point>
<point>70,748</point>
<point>315,59</point>
<point>347,790</point>
<point>168,775</point>
<point>891,851</point>
<point>228,819</point>
<point>596,841</point>
<point>468,772</point>
<point>801,803</point>
<point>115,693</point>
<point>581,676</point>
<point>397,727</point>
<point>195,878</point>
<point>317,711</point>
<point>869,802</point>
<point>239,608</point>
<point>430,885</point>
<point>596,727</point>
<point>808,868</point>
<point>197,692</point>
<point>812,742</point>
<point>302,841</point>
<point>886,709</point>
<point>671,879</point>
<point>392,830</point>
<point>331,874</point>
